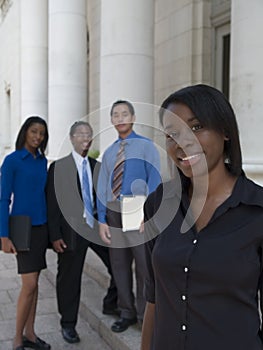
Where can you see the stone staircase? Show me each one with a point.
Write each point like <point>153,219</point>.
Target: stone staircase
<point>95,280</point>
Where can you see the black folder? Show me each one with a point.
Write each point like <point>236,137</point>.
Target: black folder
<point>20,232</point>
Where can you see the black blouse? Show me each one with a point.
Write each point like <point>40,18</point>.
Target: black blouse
<point>205,285</point>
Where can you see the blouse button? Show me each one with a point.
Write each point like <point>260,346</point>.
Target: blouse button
<point>183,297</point>
<point>183,327</point>
<point>194,241</point>
<point>186,269</point>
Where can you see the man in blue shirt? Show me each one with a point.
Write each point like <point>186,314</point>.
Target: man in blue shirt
<point>141,176</point>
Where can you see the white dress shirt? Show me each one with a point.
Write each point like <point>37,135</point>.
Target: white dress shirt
<point>78,161</point>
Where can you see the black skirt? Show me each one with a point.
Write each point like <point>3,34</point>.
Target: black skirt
<point>35,259</point>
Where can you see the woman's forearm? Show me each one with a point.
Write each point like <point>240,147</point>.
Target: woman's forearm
<point>147,329</point>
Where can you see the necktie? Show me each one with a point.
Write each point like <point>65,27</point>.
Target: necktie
<point>86,195</point>
<point>118,171</point>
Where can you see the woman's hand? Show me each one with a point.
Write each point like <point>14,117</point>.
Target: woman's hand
<point>7,245</point>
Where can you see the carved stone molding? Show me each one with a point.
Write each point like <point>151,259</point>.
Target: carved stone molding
<point>5,6</point>
<point>7,87</point>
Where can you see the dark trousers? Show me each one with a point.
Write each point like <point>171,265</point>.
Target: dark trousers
<point>121,263</point>
<point>111,298</point>
<point>122,259</point>
<point>68,283</point>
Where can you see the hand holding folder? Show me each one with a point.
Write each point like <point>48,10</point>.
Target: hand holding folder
<point>132,212</point>
<point>20,232</point>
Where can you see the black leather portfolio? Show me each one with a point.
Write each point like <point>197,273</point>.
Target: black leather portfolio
<point>20,232</point>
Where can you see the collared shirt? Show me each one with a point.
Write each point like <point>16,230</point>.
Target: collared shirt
<point>205,285</point>
<point>78,161</point>
<point>23,179</point>
<point>141,170</point>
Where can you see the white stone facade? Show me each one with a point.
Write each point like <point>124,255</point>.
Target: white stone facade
<point>67,59</point>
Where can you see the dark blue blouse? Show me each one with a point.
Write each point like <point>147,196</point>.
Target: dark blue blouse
<point>205,285</point>
<point>23,180</point>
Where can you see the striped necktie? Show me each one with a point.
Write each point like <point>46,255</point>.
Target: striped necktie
<point>86,195</point>
<point>118,171</point>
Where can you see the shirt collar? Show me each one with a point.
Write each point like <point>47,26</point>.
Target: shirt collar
<point>175,187</point>
<point>132,135</point>
<point>245,191</point>
<point>78,158</point>
<point>25,153</point>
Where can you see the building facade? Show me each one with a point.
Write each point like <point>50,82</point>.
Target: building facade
<point>68,60</point>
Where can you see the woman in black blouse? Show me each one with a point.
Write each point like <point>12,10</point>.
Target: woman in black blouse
<point>205,235</point>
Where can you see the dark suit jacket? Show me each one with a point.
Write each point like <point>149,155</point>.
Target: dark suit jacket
<point>64,202</point>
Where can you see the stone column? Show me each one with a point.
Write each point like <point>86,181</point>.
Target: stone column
<point>34,58</point>
<point>246,80</point>
<point>67,69</point>
<point>125,61</point>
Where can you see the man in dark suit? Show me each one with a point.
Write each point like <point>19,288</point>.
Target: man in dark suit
<point>72,227</point>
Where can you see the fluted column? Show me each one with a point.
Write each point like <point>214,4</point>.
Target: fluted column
<point>246,80</point>
<point>34,57</point>
<point>125,57</point>
<point>67,69</point>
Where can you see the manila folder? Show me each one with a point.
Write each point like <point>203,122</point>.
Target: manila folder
<point>132,212</point>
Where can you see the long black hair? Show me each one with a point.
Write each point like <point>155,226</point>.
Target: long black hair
<point>21,137</point>
<point>214,111</point>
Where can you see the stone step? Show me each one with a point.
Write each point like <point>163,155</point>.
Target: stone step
<point>95,280</point>
<point>47,319</point>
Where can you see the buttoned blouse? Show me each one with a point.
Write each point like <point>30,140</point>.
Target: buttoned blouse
<point>23,181</point>
<point>205,285</point>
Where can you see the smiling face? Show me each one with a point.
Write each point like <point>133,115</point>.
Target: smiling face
<point>81,139</point>
<point>122,119</point>
<point>35,135</point>
<point>193,148</point>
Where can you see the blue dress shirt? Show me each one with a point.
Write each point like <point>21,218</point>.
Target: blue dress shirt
<point>23,180</point>
<point>141,171</point>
